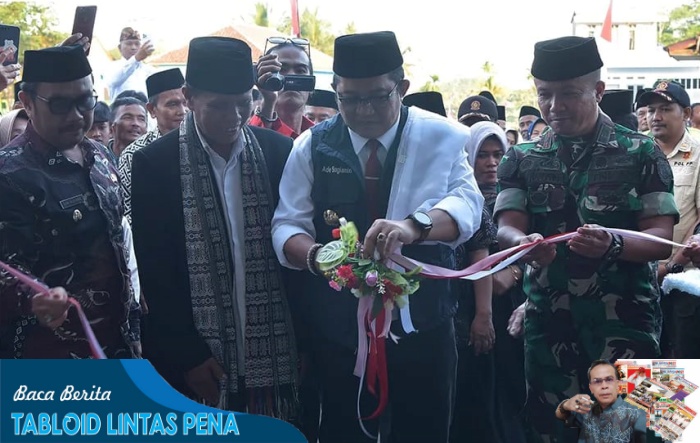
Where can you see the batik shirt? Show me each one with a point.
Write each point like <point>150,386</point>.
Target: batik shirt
<point>62,223</point>
<point>621,422</point>
<point>125,166</point>
<point>615,179</point>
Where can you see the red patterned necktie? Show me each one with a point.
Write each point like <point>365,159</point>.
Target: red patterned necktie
<point>373,173</point>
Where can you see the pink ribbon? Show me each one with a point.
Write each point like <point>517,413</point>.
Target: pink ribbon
<point>505,258</point>
<point>40,288</point>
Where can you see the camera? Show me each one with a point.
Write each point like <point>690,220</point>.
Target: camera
<point>278,82</point>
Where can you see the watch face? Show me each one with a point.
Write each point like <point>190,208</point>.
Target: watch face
<point>422,218</point>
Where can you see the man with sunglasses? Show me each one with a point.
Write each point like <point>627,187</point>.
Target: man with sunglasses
<point>402,176</point>
<point>61,221</point>
<point>609,418</point>
<point>283,111</point>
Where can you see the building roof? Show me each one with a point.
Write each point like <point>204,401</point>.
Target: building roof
<point>688,49</point>
<point>254,35</point>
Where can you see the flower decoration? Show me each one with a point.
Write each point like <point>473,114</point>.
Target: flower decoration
<point>341,262</point>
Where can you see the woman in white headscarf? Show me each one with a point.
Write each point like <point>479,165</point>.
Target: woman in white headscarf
<point>485,305</point>
<point>12,124</point>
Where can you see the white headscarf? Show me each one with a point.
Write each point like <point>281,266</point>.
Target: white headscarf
<point>480,132</point>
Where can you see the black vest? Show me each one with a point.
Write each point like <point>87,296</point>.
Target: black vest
<point>339,186</point>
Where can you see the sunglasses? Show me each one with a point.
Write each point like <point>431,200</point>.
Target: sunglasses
<point>600,381</point>
<point>276,41</point>
<point>61,105</point>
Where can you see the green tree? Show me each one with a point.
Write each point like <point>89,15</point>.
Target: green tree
<point>37,25</point>
<point>350,28</point>
<point>489,82</point>
<point>683,23</point>
<point>431,85</point>
<point>313,28</point>
<point>455,91</point>
<point>261,15</point>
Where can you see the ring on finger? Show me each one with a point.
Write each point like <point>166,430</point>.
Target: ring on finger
<point>381,236</point>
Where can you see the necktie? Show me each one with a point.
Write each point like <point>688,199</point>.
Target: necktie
<point>373,173</point>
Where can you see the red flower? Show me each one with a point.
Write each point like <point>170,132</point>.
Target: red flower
<point>345,272</point>
<point>353,282</point>
<point>391,289</point>
<point>336,233</point>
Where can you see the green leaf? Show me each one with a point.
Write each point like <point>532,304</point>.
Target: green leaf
<point>377,306</point>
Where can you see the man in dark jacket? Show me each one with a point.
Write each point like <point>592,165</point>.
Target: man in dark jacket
<point>203,196</point>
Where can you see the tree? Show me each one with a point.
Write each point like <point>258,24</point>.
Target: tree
<point>455,91</point>
<point>260,17</point>
<point>683,23</point>
<point>350,28</point>
<point>431,85</point>
<point>313,28</point>
<point>37,25</point>
<point>490,82</point>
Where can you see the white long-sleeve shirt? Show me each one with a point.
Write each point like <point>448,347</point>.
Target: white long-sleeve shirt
<point>125,75</point>
<point>227,174</point>
<point>432,172</point>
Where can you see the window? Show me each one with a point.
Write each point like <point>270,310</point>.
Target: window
<point>591,30</point>
<point>633,36</point>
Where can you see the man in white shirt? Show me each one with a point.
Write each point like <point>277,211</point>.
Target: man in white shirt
<point>401,175</point>
<point>130,72</point>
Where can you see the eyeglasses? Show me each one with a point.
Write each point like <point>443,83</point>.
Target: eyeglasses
<point>284,40</point>
<point>600,381</point>
<point>61,105</point>
<point>300,42</point>
<point>377,101</point>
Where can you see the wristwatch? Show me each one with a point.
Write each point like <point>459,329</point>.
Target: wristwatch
<point>423,222</point>
<point>258,113</point>
<point>614,250</point>
<point>673,268</point>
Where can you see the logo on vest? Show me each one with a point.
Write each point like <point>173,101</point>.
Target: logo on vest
<point>336,170</point>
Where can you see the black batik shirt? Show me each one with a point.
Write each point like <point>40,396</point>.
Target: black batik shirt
<point>61,222</point>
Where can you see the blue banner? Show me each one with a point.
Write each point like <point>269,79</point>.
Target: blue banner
<point>115,401</point>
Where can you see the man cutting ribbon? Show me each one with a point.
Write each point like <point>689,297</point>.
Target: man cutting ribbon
<point>402,176</point>
<point>594,296</point>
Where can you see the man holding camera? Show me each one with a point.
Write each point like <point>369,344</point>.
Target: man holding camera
<point>282,109</point>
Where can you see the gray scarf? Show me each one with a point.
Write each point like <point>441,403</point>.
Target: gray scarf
<point>270,360</point>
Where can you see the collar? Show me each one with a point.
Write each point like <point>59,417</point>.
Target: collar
<point>51,155</point>
<point>386,139</point>
<point>686,144</point>
<point>235,152</point>
<point>616,405</point>
<point>282,128</point>
<point>604,135</point>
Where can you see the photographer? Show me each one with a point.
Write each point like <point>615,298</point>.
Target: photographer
<point>282,109</point>
<point>607,419</point>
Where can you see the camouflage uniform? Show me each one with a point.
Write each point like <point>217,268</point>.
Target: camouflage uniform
<point>580,309</point>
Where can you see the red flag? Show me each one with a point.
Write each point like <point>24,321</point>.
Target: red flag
<point>296,30</point>
<point>606,32</point>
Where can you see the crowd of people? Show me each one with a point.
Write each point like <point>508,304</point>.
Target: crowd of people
<point>186,215</point>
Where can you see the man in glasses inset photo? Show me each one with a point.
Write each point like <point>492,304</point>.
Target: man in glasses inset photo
<point>609,418</point>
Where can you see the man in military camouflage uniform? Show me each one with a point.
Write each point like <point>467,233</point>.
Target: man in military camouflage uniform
<point>592,297</point>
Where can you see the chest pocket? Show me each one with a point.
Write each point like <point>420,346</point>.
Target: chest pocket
<point>612,184</point>
<point>546,183</point>
<point>336,188</point>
